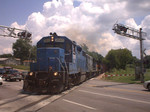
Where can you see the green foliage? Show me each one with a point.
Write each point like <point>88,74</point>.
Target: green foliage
<point>127,79</point>
<point>98,57</point>
<point>21,49</point>
<point>24,50</point>
<point>115,59</point>
<point>147,61</point>
<point>33,53</point>
<point>6,55</point>
<point>123,79</point>
<point>118,59</point>
<point>128,70</point>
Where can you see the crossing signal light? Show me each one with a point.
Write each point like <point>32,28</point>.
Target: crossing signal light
<point>24,35</point>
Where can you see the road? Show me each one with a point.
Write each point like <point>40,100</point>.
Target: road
<point>10,89</point>
<point>91,96</point>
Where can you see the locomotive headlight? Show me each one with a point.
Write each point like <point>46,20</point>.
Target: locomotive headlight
<point>52,39</point>
<point>31,73</point>
<point>55,73</point>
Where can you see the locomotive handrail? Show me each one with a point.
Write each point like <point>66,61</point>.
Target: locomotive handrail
<point>60,63</point>
<point>66,68</point>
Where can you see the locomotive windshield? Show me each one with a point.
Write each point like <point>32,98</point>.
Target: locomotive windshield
<point>52,42</point>
<point>58,42</point>
<point>60,45</point>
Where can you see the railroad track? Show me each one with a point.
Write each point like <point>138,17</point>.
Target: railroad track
<point>22,102</point>
<point>29,102</point>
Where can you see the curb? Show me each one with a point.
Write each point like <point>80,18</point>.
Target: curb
<point>119,75</point>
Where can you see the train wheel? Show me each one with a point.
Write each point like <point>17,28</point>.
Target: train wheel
<point>76,79</point>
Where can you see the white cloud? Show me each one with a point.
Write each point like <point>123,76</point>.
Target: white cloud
<point>89,9</point>
<point>146,28</point>
<point>91,22</point>
<point>6,45</point>
<point>131,22</point>
<point>114,43</point>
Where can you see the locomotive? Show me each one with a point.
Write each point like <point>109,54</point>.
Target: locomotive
<point>61,64</point>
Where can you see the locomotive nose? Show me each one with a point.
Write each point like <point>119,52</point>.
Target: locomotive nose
<point>55,62</point>
<point>50,57</point>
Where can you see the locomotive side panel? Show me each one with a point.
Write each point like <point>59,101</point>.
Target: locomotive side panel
<point>78,63</point>
<point>81,60</point>
<point>89,62</point>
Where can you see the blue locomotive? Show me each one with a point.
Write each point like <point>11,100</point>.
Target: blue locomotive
<point>61,63</point>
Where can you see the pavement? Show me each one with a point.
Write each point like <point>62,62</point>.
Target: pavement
<point>102,96</point>
<point>94,95</point>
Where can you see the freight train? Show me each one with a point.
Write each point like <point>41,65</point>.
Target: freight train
<point>61,64</point>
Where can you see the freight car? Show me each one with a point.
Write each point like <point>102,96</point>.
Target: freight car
<point>61,63</point>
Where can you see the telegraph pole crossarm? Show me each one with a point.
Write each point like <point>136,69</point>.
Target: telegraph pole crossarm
<point>6,31</point>
<point>126,31</point>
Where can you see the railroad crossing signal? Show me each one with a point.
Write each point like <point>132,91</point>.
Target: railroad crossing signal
<point>135,34</point>
<point>6,31</point>
<point>128,31</point>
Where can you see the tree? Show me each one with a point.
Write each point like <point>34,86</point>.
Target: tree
<point>118,58</point>
<point>98,57</point>
<point>110,60</point>
<point>33,53</point>
<point>85,48</point>
<point>21,49</point>
<point>147,61</point>
<point>6,56</point>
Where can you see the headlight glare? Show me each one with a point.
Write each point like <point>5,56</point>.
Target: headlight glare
<point>31,73</point>
<point>55,73</point>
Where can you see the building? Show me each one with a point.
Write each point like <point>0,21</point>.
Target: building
<point>10,61</point>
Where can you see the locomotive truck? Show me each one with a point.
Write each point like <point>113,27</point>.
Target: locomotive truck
<point>61,63</point>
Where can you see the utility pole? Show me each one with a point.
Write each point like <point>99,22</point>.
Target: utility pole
<point>141,53</point>
<point>134,34</point>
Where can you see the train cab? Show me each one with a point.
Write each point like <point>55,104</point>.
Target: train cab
<point>53,52</point>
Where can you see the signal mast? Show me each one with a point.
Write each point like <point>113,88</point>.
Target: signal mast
<point>126,31</point>
<point>6,31</point>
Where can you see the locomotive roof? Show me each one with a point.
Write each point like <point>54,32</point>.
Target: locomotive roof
<point>42,43</point>
<point>64,37</point>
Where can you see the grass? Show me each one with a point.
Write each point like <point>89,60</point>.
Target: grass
<point>121,71</point>
<point>126,79</point>
<point>123,79</point>
<point>147,75</point>
<point>22,67</point>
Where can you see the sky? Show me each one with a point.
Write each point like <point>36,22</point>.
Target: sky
<point>83,21</point>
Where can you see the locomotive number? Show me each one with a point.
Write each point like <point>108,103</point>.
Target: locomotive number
<point>47,40</point>
<point>59,40</point>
